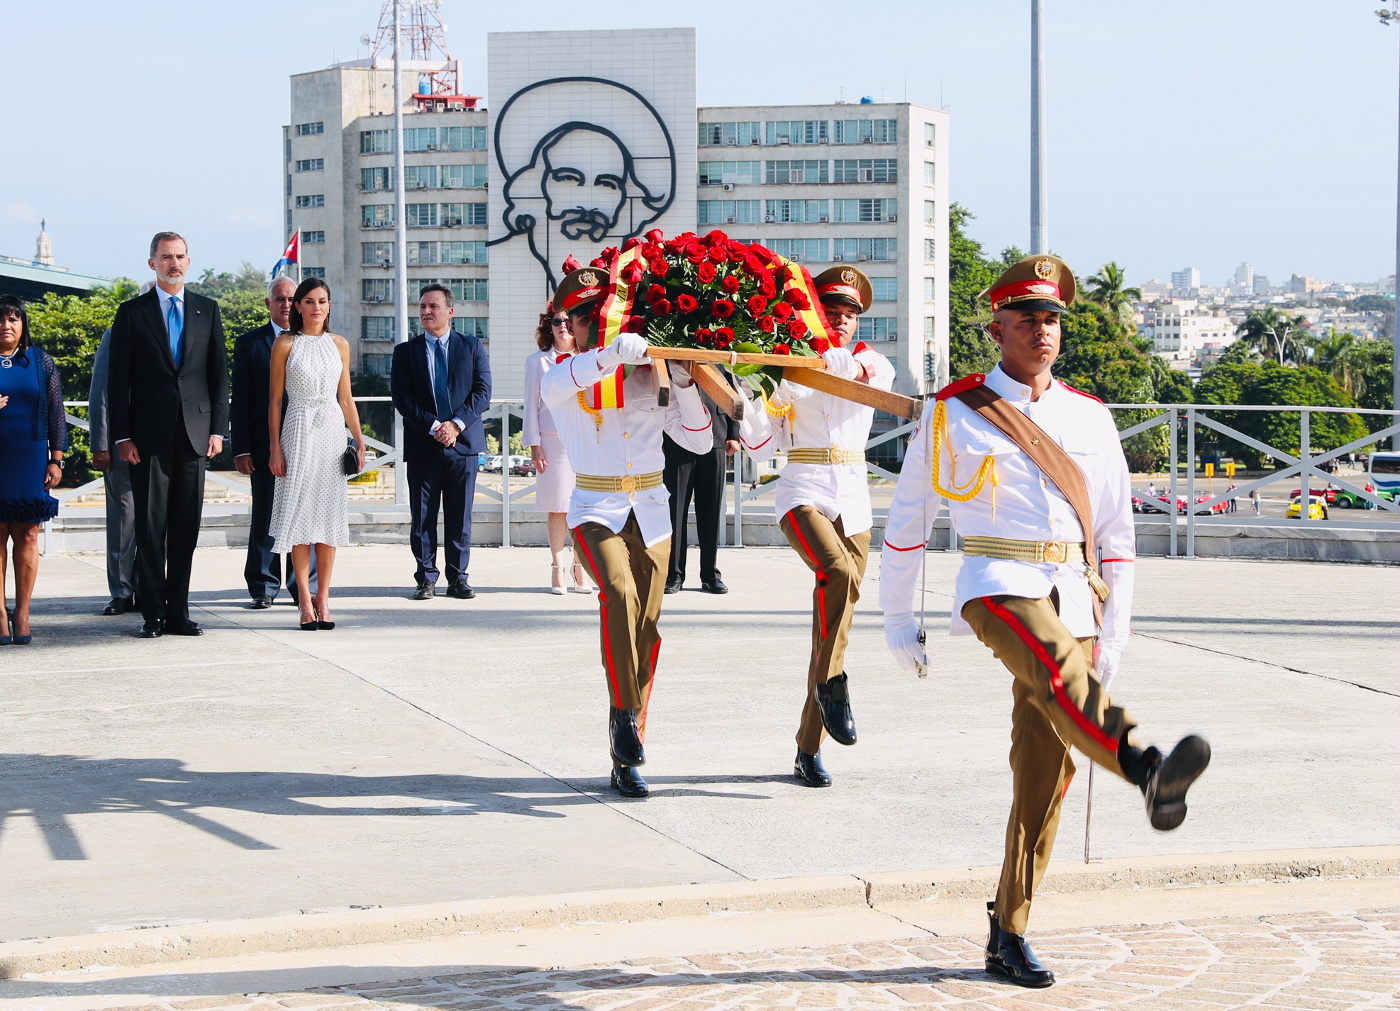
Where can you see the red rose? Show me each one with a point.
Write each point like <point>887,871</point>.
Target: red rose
<point>661,307</point>
<point>797,298</point>
<point>757,304</point>
<point>687,303</point>
<point>651,251</point>
<point>716,238</point>
<point>597,261</point>
<point>782,312</point>
<point>717,254</point>
<point>730,283</point>
<point>608,256</point>
<point>704,336</point>
<point>694,252</point>
<point>631,243</point>
<point>767,285</point>
<point>571,264</point>
<point>659,267</point>
<point>797,329</point>
<point>723,338</point>
<point>766,324</point>
<point>706,273</point>
<point>820,345</point>
<point>632,273</point>
<point>655,292</point>
<point>781,349</point>
<point>655,235</point>
<point>738,252</point>
<point>634,324</point>
<point>723,308</point>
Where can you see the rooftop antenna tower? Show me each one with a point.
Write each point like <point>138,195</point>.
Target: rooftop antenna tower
<point>424,40</point>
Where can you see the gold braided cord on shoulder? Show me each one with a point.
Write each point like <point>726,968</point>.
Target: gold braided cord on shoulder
<point>781,411</point>
<point>956,492</point>
<point>590,409</point>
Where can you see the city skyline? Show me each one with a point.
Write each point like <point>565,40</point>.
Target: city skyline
<point>1206,168</point>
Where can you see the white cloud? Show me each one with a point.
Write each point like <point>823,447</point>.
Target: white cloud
<point>17,213</point>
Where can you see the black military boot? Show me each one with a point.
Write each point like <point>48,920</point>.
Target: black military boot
<point>1169,778</point>
<point>629,782</point>
<point>624,740</point>
<point>1010,958</point>
<point>834,701</point>
<point>810,770</point>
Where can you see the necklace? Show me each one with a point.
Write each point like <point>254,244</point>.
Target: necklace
<point>8,361</point>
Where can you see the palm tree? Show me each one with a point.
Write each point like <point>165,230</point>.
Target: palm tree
<point>1341,355</point>
<point>1275,334</point>
<point>1108,288</point>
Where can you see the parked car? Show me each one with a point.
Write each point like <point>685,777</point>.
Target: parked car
<point>522,465</point>
<point>1330,494</point>
<point>490,464</point>
<point>1317,509</point>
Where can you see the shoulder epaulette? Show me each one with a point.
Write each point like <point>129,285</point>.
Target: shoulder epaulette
<point>965,383</point>
<point>1089,396</point>
<point>860,346</point>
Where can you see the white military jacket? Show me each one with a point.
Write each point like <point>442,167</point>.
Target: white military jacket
<point>820,421</point>
<point>1022,504</point>
<point>627,442</point>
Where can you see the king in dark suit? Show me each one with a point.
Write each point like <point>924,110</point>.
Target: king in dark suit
<point>440,382</point>
<point>252,364</point>
<point>167,395</point>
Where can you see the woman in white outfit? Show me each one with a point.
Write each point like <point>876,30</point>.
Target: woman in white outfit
<point>554,482</point>
<point>311,366</point>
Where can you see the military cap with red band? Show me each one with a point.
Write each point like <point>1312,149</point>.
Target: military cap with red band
<point>579,287</point>
<point>846,283</point>
<point>1032,284</point>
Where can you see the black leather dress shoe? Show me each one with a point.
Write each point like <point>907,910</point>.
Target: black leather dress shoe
<point>834,701</point>
<point>118,605</point>
<point>1015,962</point>
<point>673,586</point>
<point>425,591</point>
<point>715,585</point>
<point>810,770</point>
<point>1168,782</point>
<point>629,782</point>
<point>151,630</point>
<point>624,740</point>
<point>261,603</point>
<point>461,589</point>
<point>184,628</point>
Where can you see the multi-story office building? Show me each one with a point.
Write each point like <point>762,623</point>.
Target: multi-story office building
<point>1181,328</point>
<point>865,184</point>
<point>1187,279</point>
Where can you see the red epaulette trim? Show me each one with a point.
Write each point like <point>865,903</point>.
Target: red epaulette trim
<point>1067,386</point>
<point>860,346</point>
<point>965,383</point>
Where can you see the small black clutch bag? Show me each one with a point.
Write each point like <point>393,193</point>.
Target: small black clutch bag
<point>350,459</point>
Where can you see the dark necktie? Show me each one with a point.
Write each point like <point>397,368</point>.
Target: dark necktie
<point>440,392</point>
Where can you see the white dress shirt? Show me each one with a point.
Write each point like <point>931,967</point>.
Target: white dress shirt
<point>628,441</point>
<point>165,298</point>
<point>820,421</point>
<point>432,340</point>
<point>1023,505</point>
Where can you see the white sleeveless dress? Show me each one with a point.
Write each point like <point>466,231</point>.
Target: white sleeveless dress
<point>309,504</point>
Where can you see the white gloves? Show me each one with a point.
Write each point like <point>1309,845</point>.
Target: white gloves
<point>1106,664</point>
<point>626,349</point>
<point>902,637</point>
<point>841,363</point>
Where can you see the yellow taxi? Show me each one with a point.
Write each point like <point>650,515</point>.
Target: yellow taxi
<point>1317,508</point>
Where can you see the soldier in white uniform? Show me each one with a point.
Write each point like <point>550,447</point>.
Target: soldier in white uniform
<point>611,425</point>
<point>1032,583</point>
<point>823,504</point>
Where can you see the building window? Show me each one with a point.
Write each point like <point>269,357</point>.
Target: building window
<point>797,172</point>
<point>866,131</point>
<point>468,289</point>
<point>732,173</point>
<point>783,211</point>
<point>801,250</point>
<point>929,135</point>
<point>377,328</point>
<point>866,170</point>
<point>420,138</point>
<point>462,138</point>
<point>376,254</point>
<point>310,164</point>
<point>463,177</point>
<point>472,326</point>
<point>885,289</point>
<point>376,141</point>
<point>929,289</point>
<point>928,173</point>
<point>316,236</point>
<point>797,131</point>
<point>728,212</point>
<point>850,250</point>
<point>422,215</point>
<point>377,289</point>
<point>375,364</point>
<point>376,178</point>
<point>312,200</point>
<point>310,129</point>
<point>463,214</point>
<point>877,328</point>
<point>928,328</point>
<point>865,209</point>
<point>930,250</point>
<point>314,272</point>
<point>377,216</point>
<point>420,177</point>
<point>422,252</point>
<point>930,215</point>
<point>720,134</point>
<point>463,252</point>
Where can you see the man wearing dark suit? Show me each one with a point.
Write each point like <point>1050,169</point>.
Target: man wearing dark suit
<point>252,358</point>
<point>440,382</point>
<point>167,398</point>
<point>116,481</point>
<point>700,475</point>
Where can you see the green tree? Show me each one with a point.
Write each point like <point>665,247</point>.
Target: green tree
<point>1109,289</point>
<point>970,347</point>
<point>1377,382</point>
<point>242,299</point>
<point>1275,334</point>
<point>1341,355</point>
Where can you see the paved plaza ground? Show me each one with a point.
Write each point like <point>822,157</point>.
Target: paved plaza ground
<point>428,752</point>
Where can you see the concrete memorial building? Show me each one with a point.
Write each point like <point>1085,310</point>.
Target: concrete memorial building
<point>591,138</point>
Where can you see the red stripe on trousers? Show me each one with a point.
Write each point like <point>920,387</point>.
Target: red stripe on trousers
<point>655,652</point>
<point>1057,683</point>
<point>603,612</point>
<point>821,590</point>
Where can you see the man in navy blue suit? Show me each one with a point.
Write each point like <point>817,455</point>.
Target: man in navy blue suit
<point>440,381</point>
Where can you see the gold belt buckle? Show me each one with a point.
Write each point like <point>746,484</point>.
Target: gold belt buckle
<point>628,484</point>
<point>1055,551</point>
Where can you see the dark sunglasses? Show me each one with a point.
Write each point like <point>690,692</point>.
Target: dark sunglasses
<point>559,321</point>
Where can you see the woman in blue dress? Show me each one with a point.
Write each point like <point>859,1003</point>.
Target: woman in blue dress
<point>33,439</point>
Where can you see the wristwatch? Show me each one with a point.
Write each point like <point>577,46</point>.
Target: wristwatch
<point>57,463</point>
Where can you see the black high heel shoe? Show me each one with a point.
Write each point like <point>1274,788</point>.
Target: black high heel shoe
<point>324,626</point>
<point>312,625</point>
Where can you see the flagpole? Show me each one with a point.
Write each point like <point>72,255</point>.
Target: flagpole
<point>400,253</point>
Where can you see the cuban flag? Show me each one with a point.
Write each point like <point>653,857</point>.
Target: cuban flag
<point>290,255</point>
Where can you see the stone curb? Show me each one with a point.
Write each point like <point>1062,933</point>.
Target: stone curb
<point>281,934</point>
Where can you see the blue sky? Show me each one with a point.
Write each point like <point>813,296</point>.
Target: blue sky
<point>1195,132</point>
